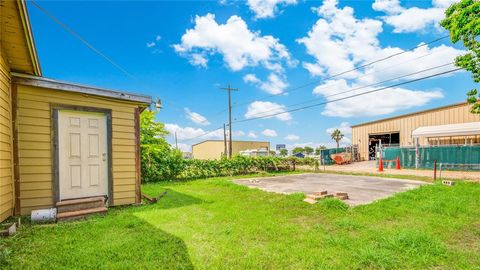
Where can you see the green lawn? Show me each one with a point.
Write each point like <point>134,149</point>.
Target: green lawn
<point>215,224</point>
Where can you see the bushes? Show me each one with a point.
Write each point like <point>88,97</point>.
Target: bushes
<point>160,162</point>
<point>172,166</point>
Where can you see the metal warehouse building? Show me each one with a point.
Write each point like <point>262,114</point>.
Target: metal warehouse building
<point>448,125</point>
<point>214,149</point>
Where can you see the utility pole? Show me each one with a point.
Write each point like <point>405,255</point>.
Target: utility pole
<point>225,140</point>
<point>176,143</point>
<point>229,118</point>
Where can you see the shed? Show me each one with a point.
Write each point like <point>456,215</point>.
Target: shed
<point>60,141</point>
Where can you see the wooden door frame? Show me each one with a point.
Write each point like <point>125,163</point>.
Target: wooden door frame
<point>55,108</point>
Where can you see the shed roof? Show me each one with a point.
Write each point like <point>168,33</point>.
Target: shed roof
<point>463,129</point>
<point>24,79</point>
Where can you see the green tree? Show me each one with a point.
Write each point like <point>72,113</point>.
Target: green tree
<point>308,150</point>
<point>337,136</point>
<point>297,150</point>
<point>153,146</point>
<point>462,20</point>
<point>319,149</point>
<point>283,152</point>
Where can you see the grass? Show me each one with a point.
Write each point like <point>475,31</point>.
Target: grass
<point>215,224</point>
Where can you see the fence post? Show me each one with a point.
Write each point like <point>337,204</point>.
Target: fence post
<point>417,157</point>
<point>435,170</point>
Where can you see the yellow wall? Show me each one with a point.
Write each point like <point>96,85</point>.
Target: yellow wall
<point>35,144</point>
<point>6,164</point>
<point>454,114</point>
<point>215,149</point>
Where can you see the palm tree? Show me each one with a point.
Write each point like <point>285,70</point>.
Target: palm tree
<point>337,136</point>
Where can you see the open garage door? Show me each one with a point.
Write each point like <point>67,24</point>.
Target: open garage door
<point>387,139</point>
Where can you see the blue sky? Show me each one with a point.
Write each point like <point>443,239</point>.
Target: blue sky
<point>183,52</point>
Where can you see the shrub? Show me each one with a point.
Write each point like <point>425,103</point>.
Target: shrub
<point>160,162</point>
<point>171,166</point>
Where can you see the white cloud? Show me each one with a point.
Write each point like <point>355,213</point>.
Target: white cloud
<point>196,117</point>
<point>346,130</point>
<point>344,127</point>
<point>267,8</point>
<point>269,133</point>
<point>292,137</point>
<point>251,78</point>
<point>184,147</point>
<point>238,133</point>
<point>190,133</point>
<point>150,44</point>
<point>187,133</point>
<point>239,46</point>
<point>407,20</point>
<point>264,108</point>
<point>197,59</point>
<point>377,103</point>
<point>339,42</point>
<point>252,134</point>
<point>158,38</point>
<point>275,84</point>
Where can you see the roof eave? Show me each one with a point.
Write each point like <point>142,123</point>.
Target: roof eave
<point>30,80</point>
<point>29,37</point>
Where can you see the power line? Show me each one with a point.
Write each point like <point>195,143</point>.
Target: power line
<point>202,135</point>
<point>347,71</point>
<point>358,77</point>
<point>331,101</point>
<point>343,98</point>
<point>80,38</point>
<point>364,86</point>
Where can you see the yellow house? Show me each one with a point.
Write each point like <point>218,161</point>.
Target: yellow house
<point>214,149</point>
<point>60,141</point>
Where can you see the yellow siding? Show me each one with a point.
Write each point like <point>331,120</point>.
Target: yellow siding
<point>35,144</point>
<point>215,149</point>
<point>454,114</point>
<point>13,37</point>
<point>6,150</point>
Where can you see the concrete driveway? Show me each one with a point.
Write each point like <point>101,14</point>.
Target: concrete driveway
<point>361,189</point>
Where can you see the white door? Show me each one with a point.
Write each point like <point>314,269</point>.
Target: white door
<point>83,162</point>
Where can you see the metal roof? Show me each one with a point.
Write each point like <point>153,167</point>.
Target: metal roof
<point>30,80</point>
<point>410,114</point>
<point>463,129</point>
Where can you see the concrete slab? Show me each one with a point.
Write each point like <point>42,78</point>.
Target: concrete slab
<point>360,189</point>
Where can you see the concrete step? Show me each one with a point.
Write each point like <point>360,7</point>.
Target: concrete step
<point>80,204</point>
<point>74,215</point>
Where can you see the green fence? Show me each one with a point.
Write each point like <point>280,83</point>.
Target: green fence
<point>455,157</point>
<point>325,155</point>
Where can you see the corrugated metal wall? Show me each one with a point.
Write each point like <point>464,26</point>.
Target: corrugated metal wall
<point>459,113</point>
